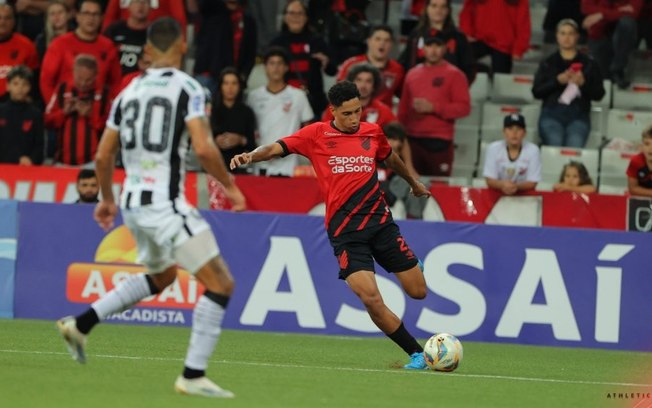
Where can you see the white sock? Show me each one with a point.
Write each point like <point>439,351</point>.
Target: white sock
<point>206,328</point>
<point>126,294</point>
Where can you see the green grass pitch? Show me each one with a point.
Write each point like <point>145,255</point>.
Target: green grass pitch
<point>135,366</point>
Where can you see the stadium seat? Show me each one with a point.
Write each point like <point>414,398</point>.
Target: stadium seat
<point>613,165</point>
<point>640,65</point>
<point>512,88</point>
<point>627,125</point>
<point>473,120</point>
<point>466,146</point>
<point>609,189</point>
<point>480,88</point>
<point>554,158</point>
<point>493,114</point>
<point>637,97</point>
<point>606,99</point>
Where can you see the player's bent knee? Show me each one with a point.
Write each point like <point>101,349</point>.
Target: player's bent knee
<point>417,293</point>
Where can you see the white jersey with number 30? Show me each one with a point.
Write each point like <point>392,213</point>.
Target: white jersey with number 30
<point>150,115</point>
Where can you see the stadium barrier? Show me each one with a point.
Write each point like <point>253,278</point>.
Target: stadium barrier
<point>544,286</point>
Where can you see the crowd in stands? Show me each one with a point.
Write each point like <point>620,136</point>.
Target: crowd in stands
<point>63,61</point>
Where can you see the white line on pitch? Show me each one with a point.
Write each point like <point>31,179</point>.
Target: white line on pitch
<point>366,370</point>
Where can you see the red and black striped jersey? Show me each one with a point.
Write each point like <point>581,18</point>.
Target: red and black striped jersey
<point>345,164</point>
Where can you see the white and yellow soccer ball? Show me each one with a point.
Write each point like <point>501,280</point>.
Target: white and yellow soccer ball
<point>443,352</point>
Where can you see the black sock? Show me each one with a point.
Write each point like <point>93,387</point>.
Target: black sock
<point>87,320</point>
<point>189,373</point>
<point>222,300</point>
<point>405,340</point>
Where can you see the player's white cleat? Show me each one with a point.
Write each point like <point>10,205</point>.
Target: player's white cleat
<point>75,340</point>
<point>200,386</point>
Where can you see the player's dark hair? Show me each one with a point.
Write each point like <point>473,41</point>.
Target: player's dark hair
<point>163,32</point>
<point>396,131</point>
<point>20,71</point>
<point>381,27</point>
<point>342,92</point>
<point>86,174</point>
<point>360,68</point>
<point>585,178</point>
<point>276,51</point>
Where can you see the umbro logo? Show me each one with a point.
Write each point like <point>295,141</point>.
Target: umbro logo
<point>331,144</point>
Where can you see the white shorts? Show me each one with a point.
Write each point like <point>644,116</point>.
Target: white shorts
<point>167,235</point>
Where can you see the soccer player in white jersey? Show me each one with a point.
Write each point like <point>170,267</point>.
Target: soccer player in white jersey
<point>148,120</point>
<point>512,165</point>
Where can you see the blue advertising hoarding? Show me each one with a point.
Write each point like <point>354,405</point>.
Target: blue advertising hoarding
<point>8,221</point>
<point>542,286</point>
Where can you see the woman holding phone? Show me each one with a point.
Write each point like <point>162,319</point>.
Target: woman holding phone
<point>566,82</point>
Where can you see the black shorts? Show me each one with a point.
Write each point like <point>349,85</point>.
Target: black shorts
<point>357,250</point>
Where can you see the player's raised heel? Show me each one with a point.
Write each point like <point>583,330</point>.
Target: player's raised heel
<point>75,340</point>
<point>200,386</point>
<point>417,362</point>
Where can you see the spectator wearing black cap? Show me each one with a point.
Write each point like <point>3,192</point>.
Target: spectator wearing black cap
<point>512,165</point>
<point>21,123</point>
<point>435,94</point>
<point>566,82</point>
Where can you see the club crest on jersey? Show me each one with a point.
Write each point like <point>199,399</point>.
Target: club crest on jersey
<point>438,82</point>
<point>366,143</point>
<point>14,54</point>
<point>389,81</point>
<point>27,125</point>
<point>287,107</point>
<point>372,116</point>
<point>331,144</point>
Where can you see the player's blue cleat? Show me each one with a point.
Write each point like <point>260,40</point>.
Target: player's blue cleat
<point>417,362</point>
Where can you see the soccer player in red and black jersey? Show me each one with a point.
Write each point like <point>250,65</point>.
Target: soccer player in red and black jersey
<point>360,227</point>
<point>639,171</point>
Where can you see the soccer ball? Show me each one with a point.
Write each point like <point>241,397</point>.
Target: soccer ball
<point>443,352</point>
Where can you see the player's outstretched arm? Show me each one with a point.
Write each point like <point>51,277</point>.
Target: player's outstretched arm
<point>395,163</point>
<point>261,153</point>
<point>212,161</point>
<point>106,209</point>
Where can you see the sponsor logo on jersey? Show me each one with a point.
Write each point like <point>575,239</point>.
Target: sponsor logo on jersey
<point>351,164</point>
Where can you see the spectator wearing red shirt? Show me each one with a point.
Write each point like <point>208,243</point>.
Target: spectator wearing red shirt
<point>15,48</point>
<point>499,28</point>
<point>612,34</point>
<point>77,112</point>
<point>119,10</point>
<point>86,39</point>
<point>379,46</point>
<point>435,94</point>
<point>436,17</point>
<point>130,35</point>
<point>639,171</point>
<point>367,79</point>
